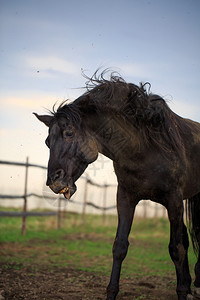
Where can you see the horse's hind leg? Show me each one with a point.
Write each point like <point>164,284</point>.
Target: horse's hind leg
<point>194,215</point>
<point>178,247</point>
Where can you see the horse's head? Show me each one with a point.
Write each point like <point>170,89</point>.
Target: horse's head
<point>72,148</point>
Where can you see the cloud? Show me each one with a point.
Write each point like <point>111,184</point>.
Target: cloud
<point>3,132</point>
<point>50,64</point>
<point>28,100</point>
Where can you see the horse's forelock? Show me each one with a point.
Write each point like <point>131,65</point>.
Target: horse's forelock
<point>69,111</point>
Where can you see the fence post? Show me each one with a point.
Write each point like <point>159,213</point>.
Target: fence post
<point>59,213</point>
<point>64,212</point>
<point>25,199</point>
<point>84,201</point>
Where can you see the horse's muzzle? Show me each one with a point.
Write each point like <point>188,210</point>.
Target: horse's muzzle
<point>61,184</point>
<point>66,189</point>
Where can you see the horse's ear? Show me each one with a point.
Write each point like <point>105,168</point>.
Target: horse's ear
<point>44,119</point>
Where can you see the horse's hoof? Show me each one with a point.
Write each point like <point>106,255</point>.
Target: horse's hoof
<point>111,296</point>
<point>112,291</point>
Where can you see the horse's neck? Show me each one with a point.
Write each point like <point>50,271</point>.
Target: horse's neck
<point>115,137</point>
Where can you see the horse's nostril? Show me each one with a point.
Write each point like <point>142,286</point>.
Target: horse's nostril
<point>52,177</point>
<point>59,174</point>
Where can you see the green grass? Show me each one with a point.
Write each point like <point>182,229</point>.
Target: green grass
<point>86,247</point>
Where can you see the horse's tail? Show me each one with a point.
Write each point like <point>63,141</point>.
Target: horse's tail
<point>193,220</point>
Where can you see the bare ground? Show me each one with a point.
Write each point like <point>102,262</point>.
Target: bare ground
<point>38,282</point>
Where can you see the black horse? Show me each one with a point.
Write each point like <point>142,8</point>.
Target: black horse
<point>156,155</point>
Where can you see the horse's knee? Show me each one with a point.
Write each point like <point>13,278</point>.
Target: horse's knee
<point>177,252</point>
<point>120,248</point>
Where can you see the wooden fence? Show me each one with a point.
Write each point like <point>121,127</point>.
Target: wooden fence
<point>25,196</point>
<point>24,214</point>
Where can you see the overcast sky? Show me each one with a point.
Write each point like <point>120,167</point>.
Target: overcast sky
<point>44,45</point>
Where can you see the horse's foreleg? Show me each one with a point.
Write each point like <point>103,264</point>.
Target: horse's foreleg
<point>120,247</point>
<point>178,248</point>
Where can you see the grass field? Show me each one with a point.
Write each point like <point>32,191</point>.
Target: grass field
<point>87,247</point>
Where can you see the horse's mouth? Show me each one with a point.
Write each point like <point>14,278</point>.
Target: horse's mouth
<point>66,192</point>
<point>66,187</point>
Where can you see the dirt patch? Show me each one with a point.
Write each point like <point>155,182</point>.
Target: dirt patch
<point>48,269</point>
<point>40,282</point>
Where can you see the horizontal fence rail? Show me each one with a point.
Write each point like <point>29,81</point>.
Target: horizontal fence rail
<point>26,214</point>
<point>52,198</point>
<point>13,163</point>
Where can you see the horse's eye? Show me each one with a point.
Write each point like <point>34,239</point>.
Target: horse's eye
<point>68,133</point>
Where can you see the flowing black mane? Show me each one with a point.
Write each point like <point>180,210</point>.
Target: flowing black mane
<point>147,112</point>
